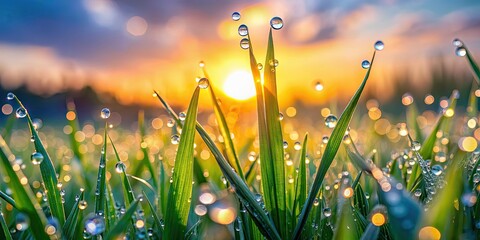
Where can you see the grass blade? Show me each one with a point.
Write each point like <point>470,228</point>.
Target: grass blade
<point>156,219</point>
<point>371,232</point>
<point>146,159</point>
<point>330,152</point>
<point>127,187</point>
<point>4,226</point>
<point>73,219</point>
<point>301,187</point>
<point>100,191</point>
<point>178,205</point>
<point>7,199</point>
<point>473,64</point>
<point>121,226</point>
<point>263,222</point>
<point>48,172</point>
<point>23,195</point>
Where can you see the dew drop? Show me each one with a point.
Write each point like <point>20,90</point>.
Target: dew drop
<point>119,167</point>
<point>21,112</point>
<point>416,146</point>
<point>36,158</point>
<point>236,16</point>
<point>105,113</point>
<point>327,212</point>
<point>297,146</point>
<point>203,83</point>
<point>276,23</point>
<point>316,202</point>
<point>325,139</point>
<point>175,139</point>
<point>201,64</point>
<point>365,64</point>
<point>417,193</point>
<point>10,96</point>
<point>457,42</point>
<point>280,116</point>
<point>182,116</point>
<point>170,123</point>
<point>318,86</point>
<point>82,205</point>
<point>331,121</point>
<point>95,225</point>
<point>379,46</point>
<point>22,222</point>
<point>259,66</point>
<point>285,144</point>
<point>243,30</point>
<point>461,51</point>
<point>437,170</point>
<point>244,43</point>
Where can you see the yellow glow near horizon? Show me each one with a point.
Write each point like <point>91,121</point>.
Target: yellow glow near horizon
<point>239,85</point>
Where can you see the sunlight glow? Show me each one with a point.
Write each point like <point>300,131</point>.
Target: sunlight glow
<point>239,85</point>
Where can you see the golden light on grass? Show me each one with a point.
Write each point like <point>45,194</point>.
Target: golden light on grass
<point>468,144</point>
<point>239,85</point>
<point>137,26</point>
<point>223,214</point>
<point>378,219</point>
<point>429,233</point>
<point>449,112</point>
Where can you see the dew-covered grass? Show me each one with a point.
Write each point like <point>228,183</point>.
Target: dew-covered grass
<point>357,175</point>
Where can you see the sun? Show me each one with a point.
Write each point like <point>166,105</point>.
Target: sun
<point>239,85</point>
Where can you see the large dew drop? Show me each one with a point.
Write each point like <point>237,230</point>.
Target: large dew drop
<point>331,121</point>
<point>236,16</point>
<point>119,167</point>
<point>327,212</point>
<point>36,158</point>
<point>243,30</point>
<point>175,139</point>
<point>95,225</point>
<point>82,205</point>
<point>203,83</point>
<point>457,42</point>
<point>21,112</point>
<point>276,23</point>
<point>437,170</point>
<point>461,51</point>
<point>365,64</point>
<point>105,113</point>
<point>244,43</point>
<point>318,86</point>
<point>379,46</point>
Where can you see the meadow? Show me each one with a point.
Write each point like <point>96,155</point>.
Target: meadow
<point>357,176</point>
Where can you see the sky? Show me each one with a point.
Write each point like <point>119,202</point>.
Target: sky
<point>128,48</point>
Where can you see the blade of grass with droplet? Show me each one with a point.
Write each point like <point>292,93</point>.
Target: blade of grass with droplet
<point>360,201</point>
<point>178,205</point>
<point>73,219</point>
<point>371,232</point>
<point>330,152</point>
<point>473,65</point>
<point>47,170</point>
<point>232,156</point>
<point>301,187</point>
<point>110,214</point>
<point>192,229</point>
<point>7,199</point>
<point>472,109</point>
<point>258,215</point>
<point>156,219</point>
<point>128,195</point>
<point>6,233</point>
<point>22,194</point>
<point>162,191</point>
<point>101,188</point>
<point>412,114</point>
<point>121,226</point>
<point>145,160</point>
<point>442,209</point>
<point>345,225</point>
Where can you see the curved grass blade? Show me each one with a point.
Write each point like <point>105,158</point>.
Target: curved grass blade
<point>127,188</point>
<point>178,205</point>
<point>21,192</point>
<point>192,229</point>
<point>48,172</point>
<point>330,152</point>
<point>110,214</point>
<point>4,226</point>
<point>263,222</point>
<point>232,156</point>
<point>7,199</point>
<point>361,201</point>
<point>121,226</point>
<point>100,191</point>
<point>73,219</point>
<point>473,64</point>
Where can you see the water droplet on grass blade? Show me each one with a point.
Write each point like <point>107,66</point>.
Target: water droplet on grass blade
<point>36,158</point>
<point>21,112</point>
<point>203,83</point>
<point>461,51</point>
<point>10,96</point>
<point>259,66</point>
<point>316,202</point>
<point>119,167</point>
<point>105,113</point>
<point>82,205</point>
<point>331,121</point>
<point>297,146</point>
<point>175,139</point>
<point>318,86</point>
<point>182,116</point>
<point>95,225</point>
<point>285,144</point>
<point>327,212</point>
<point>379,46</point>
<point>437,170</point>
<point>276,23</point>
<point>236,16</point>
<point>22,222</point>
<point>243,30</point>
<point>457,42</point>
<point>244,43</point>
<point>416,146</point>
<point>365,64</point>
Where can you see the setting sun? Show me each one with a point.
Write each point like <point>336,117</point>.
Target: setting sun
<point>239,85</point>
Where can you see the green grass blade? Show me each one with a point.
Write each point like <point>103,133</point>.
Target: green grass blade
<point>6,233</point>
<point>7,129</point>
<point>73,123</point>
<point>371,232</point>
<point>360,201</point>
<point>330,152</point>
<point>146,159</point>
<point>472,109</point>
<point>127,187</point>
<point>7,199</point>
<point>110,214</point>
<point>263,222</point>
<point>121,226</point>
<point>73,219</point>
<point>301,187</point>
<point>23,195</point>
<point>345,225</point>
<point>100,191</point>
<point>178,205</point>
<point>192,229</point>
<point>156,219</point>
<point>412,114</point>
<point>48,173</point>
<point>473,64</point>
<point>232,156</point>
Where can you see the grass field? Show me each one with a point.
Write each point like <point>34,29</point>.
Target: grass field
<point>358,176</point>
